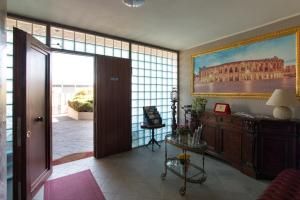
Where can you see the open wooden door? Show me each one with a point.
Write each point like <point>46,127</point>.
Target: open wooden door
<point>112,116</point>
<point>32,115</point>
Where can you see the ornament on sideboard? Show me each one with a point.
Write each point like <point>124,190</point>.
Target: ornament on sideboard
<point>222,108</point>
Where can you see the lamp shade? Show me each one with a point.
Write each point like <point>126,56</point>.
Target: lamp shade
<point>283,97</point>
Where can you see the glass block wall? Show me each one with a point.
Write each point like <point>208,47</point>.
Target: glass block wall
<point>39,32</point>
<point>154,74</point>
<point>82,42</point>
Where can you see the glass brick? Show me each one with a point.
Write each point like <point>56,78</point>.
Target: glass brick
<point>141,65</point>
<point>10,23</point>
<point>134,56</point>
<point>117,53</point>
<point>134,103</point>
<point>9,123</point>
<point>69,45</point>
<point>79,46</point>
<point>9,36</point>
<point>56,32</point>
<point>134,95</point>
<point>42,39</point>
<point>9,85</point>
<point>125,54</point>
<point>25,26</point>
<point>9,61</point>
<point>90,48</point>
<point>39,30</point>
<point>141,80</point>
<point>56,43</point>
<point>9,110</point>
<point>9,49</point>
<point>9,98</point>
<point>108,51</point>
<point>147,65</point>
<point>141,88</point>
<point>99,50</point>
<point>141,72</point>
<point>147,80</point>
<point>9,73</point>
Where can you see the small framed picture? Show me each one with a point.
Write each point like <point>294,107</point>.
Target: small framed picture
<point>222,108</point>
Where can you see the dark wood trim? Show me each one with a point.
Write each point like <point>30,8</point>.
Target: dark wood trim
<point>19,110</point>
<point>178,89</point>
<point>96,155</point>
<point>48,23</point>
<point>48,40</point>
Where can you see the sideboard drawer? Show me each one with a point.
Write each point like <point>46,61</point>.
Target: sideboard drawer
<point>232,122</point>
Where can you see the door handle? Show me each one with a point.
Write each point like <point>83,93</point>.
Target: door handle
<point>38,119</point>
<point>28,134</point>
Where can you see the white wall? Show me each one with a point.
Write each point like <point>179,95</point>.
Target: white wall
<point>254,106</point>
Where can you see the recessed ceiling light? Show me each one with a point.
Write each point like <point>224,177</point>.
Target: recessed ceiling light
<point>133,3</point>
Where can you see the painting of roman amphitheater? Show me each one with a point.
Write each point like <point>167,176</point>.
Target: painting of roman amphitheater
<point>254,68</point>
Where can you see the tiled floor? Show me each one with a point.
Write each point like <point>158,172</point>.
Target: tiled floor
<point>135,175</point>
<point>71,136</point>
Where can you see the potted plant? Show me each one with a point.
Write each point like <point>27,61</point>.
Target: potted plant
<point>81,106</point>
<point>198,106</point>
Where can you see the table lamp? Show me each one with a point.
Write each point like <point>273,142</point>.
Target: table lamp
<point>283,99</point>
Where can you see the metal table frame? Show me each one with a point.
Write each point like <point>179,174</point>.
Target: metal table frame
<point>171,161</point>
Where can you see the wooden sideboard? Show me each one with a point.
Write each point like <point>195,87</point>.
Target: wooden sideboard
<point>258,147</point>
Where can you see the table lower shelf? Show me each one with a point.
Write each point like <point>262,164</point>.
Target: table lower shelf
<point>194,174</point>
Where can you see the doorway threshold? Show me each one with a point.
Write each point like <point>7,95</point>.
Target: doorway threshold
<point>72,157</point>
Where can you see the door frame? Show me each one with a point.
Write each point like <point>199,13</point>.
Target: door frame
<point>94,87</point>
<point>20,170</point>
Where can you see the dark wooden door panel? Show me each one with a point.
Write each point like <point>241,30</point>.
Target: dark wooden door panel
<point>113,106</point>
<point>276,154</point>
<point>248,153</point>
<point>36,115</point>
<point>231,145</point>
<point>32,115</point>
<point>210,136</point>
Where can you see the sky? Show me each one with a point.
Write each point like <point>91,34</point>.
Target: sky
<point>72,69</point>
<point>283,47</point>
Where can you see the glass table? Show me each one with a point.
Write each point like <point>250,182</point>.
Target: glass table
<point>188,171</point>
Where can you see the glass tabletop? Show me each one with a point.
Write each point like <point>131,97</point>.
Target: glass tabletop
<point>186,142</point>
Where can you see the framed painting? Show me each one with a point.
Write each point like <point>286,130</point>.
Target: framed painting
<point>252,68</point>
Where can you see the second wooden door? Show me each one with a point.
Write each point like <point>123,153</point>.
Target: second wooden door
<point>112,106</point>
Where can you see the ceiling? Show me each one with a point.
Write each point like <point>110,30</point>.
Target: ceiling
<point>175,24</point>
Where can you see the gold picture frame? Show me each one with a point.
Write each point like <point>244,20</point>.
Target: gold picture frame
<point>259,95</point>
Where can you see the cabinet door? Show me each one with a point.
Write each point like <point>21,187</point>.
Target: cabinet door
<point>210,136</point>
<point>231,145</point>
<point>276,153</point>
<point>248,153</point>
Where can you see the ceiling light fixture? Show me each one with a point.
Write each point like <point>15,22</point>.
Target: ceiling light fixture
<point>134,3</point>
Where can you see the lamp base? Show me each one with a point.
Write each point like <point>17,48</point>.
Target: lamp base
<point>282,112</point>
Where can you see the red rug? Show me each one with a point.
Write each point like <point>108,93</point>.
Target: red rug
<point>79,186</point>
<point>72,157</point>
